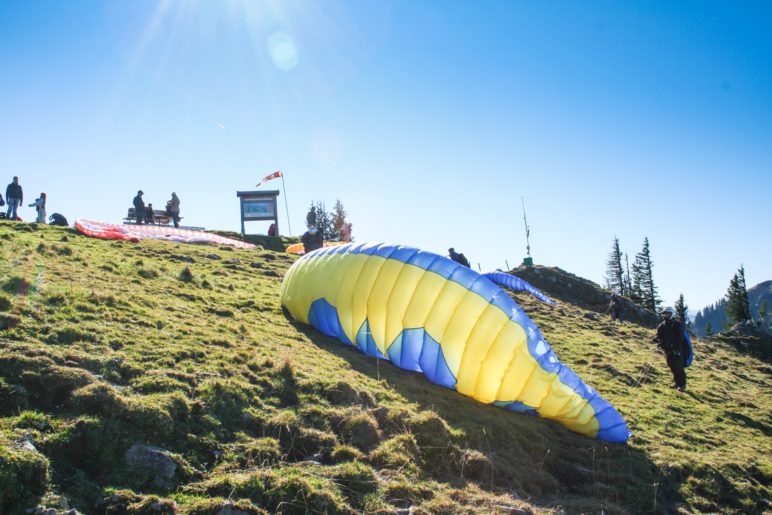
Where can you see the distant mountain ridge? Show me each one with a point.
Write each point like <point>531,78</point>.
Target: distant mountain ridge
<point>715,314</point>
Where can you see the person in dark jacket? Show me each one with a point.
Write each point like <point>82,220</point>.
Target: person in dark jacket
<point>173,208</point>
<point>615,306</point>
<point>139,208</point>
<point>312,239</point>
<point>14,196</point>
<point>670,338</point>
<point>58,219</point>
<point>458,257</point>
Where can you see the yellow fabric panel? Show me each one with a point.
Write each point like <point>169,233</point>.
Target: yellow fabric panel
<point>354,263</point>
<point>377,303</point>
<point>292,292</point>
<point>585,422</point>
<point>517,375</point>
<point>359,302</point>
<point>537,387</point>
<point>455,339</point>
<point>573,410</point>
<point>497,361</point>
<point>426,291</point>
<point>485,330</point>
<point>444,306</point>
<point>556,399</point>
<point>399,300</point>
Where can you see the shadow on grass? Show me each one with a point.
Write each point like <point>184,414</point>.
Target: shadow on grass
<point>530,457</point>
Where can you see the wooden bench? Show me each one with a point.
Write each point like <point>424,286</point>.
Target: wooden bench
<point>159,217</point>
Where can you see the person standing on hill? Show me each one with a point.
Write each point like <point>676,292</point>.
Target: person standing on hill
<point>615,306</point>
<point>14,196</point>
<point>139,208</point>
<point>312,239</point>
<point>173,208</point>
<point>672,340</point>
<point>40,207</point>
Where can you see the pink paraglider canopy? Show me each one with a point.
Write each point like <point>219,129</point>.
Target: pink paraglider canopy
<point>108,231</point>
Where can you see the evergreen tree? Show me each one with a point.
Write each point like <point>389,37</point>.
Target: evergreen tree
<point>682,311</point>
<point>324,223</point>
<point>636,289</point>
<point>628,282</point>
<point>338,218</point>
<point>737,304</point>
<point>649,297</point>
<point>709,329</point>
<point>763,311</point>
<point>614,272</point>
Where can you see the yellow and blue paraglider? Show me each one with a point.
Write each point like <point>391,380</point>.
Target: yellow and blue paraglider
<point>426,313</point>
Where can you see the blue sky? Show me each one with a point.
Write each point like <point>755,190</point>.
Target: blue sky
<point>429,120</point>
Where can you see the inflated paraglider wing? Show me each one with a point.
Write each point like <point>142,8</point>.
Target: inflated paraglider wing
<point>427,313</point>
<point>156,232</point>
<point>517,284</point>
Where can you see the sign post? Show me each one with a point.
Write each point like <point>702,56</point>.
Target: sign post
<point>258,205</point>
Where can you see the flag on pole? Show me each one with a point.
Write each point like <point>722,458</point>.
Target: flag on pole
<point>269,177</point>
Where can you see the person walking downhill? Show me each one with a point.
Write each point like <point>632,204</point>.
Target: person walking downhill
<point>173,208</point>
<point>139,207</point>
<point>40,207</point>
<point>672,339</point>
<point>14,196</point>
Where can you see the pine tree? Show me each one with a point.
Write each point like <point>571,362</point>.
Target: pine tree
<point>709,329</point>
<point>614,273</point>
<point>338,218</point>
<point>636,289</point>
<point>763,311</point>
<point>649,297</point>
<point>324,222</point>
<point>737,304</point>
<point>682,311</point>
<point>627,281</point>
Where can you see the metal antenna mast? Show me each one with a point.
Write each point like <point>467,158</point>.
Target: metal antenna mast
<point>527,230</point>
<point>528,260</point>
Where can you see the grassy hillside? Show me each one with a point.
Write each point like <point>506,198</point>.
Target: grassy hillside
<point>106,347</point>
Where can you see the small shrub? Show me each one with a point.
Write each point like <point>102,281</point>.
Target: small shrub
<point>17,286</point>
<point>186,275</point>
<point>260,452</point>
<point>33,420</point>
<point>398,452</point>
<point>343,453</point>
<point>5,303</point>
<point>13,398</point>
<point>361,430</point>
<point>69,334</point>
<point>23,478</point>
<point>9,321</point>
<point>148,273</point>
<point>97,399</point>
<point>226,399</point>
<point>288,384</point>
<point>356,481</point>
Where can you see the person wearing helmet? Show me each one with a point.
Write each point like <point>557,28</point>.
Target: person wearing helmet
<point>670,338</point>
<point>312,239</point>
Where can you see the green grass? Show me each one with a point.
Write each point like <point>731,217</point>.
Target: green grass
<point>107,344</point>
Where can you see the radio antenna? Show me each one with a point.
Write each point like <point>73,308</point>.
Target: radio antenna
<point>528,260</point>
